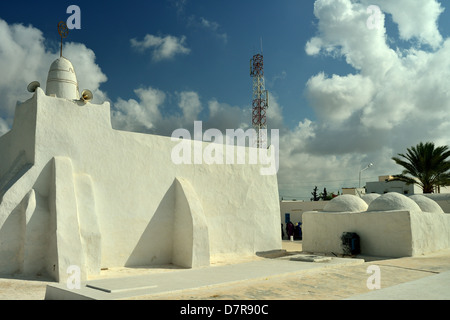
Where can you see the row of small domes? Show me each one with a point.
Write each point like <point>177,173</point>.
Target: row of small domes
<point>386,202</point>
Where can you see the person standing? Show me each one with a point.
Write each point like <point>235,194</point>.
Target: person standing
<point>290,230</point>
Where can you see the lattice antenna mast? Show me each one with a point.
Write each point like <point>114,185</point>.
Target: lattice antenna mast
<point>260,101</point>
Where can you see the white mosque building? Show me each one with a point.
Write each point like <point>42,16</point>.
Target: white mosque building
<point>76,192</point>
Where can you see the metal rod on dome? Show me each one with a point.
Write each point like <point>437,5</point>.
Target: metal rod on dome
<point>63,32</point>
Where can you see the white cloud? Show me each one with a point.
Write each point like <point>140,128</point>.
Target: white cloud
<point>395,99</point>
<point>89,74</point>
<point>313,46</point>
<point>162,48</point>
<point>189,103</point>
<point>149,113</point>
<point>223,116</point>
<point>392,87</point>
<point>415,18</point>
<point>23,59</point>
<point>337,98</point>
<point>139,116</point>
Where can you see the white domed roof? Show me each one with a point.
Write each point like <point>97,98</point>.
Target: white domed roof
<point>62,80</point>
<point>346,203</point>
<point>368,198</point>
<point>426,204</point>
<point>393,201</point>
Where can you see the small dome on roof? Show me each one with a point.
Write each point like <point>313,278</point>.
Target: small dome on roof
<point>62,80</point>
<point>368,198</point>
<point>346,203</point>
<point>393,201</point>
<point>426,204</point>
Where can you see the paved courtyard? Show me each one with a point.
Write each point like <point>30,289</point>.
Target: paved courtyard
<point>343,281</point>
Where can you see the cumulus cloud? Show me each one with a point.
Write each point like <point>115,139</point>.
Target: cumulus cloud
<point>416,19</point>
<point>392,86</point>
<point>23,59</point>
<point>149,113</point>
<point>395,98</point>
<point>337,98</point>
<point>89,74</point>
<point>189,103</point>
<point>139,116</point>
<point>162,48</point>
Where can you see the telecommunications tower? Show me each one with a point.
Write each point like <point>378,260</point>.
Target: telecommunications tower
<point>260,101</point>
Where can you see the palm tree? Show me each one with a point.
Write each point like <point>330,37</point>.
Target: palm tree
<point>426,166</point>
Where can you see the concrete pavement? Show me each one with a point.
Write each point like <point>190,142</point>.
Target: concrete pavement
<point>435,287</point>
<point>291,277</point>
<point>144,286</point>
<point>270,278</point>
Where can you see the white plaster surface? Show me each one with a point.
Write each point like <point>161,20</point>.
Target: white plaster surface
<point>62,80</point>
<point>109,198</point>
<point>369,197</point>
<point>442,199</point>
<point>426,204</point>
<point>381,234</point>
<point>346,203</point>
<point>393,201</point>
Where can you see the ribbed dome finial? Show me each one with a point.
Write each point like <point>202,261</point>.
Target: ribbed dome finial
<point>62,80</point>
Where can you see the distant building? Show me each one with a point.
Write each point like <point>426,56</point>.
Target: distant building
<point>354,191</point>
<point>293,210</point>
<point>386,184</point>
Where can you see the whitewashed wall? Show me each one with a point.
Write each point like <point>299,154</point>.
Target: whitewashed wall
<point>118,193</point>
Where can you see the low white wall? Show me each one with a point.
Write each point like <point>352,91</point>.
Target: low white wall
<point>442,199</point>
<point>431,232</point>
<point>389,234</point>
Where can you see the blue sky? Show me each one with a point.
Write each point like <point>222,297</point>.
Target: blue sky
<point>341,95</point>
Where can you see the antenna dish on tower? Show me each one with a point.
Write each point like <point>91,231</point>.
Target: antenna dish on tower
<point>33,86</point>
